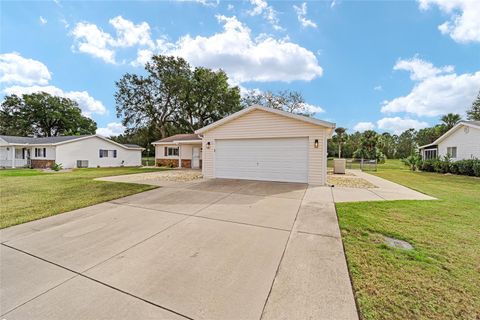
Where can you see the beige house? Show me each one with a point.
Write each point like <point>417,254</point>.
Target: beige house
<point>180,150</point>
<point>256,143</point>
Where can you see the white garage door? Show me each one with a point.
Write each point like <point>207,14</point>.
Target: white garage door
<point>284,159</point>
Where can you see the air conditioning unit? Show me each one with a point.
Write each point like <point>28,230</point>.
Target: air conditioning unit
<point>82,163</point>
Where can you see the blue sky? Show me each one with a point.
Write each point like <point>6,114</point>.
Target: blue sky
<point>383,65</point>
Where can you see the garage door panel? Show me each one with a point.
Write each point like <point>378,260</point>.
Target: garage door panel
<point>262,159</point>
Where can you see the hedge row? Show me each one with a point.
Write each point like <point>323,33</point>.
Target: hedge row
<point>470,167</point>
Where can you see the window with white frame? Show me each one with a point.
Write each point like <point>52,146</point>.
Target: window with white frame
<point>171,151</point>
<point>452,152</point>
<point>429,154</point>
<point>40,152</point>
<point>107,153</point>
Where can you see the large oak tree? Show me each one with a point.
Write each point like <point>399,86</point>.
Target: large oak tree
<point>173,96</point>
<point>43,115</point>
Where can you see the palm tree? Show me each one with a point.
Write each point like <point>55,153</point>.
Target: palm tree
<point>340,132</point>
<point>451,120</point>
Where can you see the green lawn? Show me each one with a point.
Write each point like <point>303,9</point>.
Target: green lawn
<point>28,194</point>
<point>440,278</point>
<point>148,161</point>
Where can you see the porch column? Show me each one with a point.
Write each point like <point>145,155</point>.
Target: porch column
<point>179,156</point>
<point>13,156</point>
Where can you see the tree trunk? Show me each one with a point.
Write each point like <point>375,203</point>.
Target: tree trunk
<point>339,150</point>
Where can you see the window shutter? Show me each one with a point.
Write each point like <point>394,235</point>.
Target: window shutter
<point>36,153</point>
<point>100,154</point>
<point>44,152</point>
<point>166,151</point>
<point>114,153</point>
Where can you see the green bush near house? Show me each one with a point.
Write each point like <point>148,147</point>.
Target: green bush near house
<point>469,167</point>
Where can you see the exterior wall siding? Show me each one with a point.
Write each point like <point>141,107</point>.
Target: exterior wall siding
<point>185,151</point>
<point>468,144</point>
<point>262,124</point>
<point>88,149</point>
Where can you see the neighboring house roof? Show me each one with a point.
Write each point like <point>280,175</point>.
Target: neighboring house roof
<point>470,123</point>
<point>178,138</point>
<point>54,141</point>
<point>131,145</point>
<point>45,140</point>
<point>271,110</point>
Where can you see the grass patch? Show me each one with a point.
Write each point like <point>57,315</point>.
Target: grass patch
<point>440,278</point>
<point>28,194</point>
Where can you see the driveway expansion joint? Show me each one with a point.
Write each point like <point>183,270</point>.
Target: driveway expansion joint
<point>81,274</point>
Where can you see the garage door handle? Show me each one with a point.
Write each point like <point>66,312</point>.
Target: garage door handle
<point>257,164</point>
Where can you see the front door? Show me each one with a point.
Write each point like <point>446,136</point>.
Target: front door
<point>195,157</point>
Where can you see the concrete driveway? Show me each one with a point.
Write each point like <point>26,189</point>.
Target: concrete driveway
<point>215,249</point>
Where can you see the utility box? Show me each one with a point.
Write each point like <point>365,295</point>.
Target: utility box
<point>339,166</point>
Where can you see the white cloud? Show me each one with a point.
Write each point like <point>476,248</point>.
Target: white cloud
<point>245,59</point>
<point>230,7</point>
<point>92,40</point>
<point>261,7</point>
<point>130,34</point>
<point>364,126</point>
<point>207,3</point>
<point>312,108</point>
<point>464,23</point>
<point>112,129</point>
<point>333,3</point>
<point>378,88</point>
<point>301,16</point>
<point>43,20</point>
<point>420,69</point>
<point>397,125</point>
<point>87,103</point>
<point>15,69</point>
<point>435,93</point>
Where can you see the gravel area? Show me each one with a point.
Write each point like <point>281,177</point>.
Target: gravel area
<point>171,175</point>
<point>349,181</point>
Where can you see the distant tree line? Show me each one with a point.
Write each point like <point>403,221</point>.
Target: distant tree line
<point>381,146</point>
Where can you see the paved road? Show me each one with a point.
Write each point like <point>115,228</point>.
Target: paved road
<point>216,249</point>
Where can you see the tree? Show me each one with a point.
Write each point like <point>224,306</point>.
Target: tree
<point>290,101</point>
<point>340,138</point>
<point>207,98</point>
<point>474,112</point>
<point>406,143</point>
<point>387,144</point>
<point>154,99</point>
<point>428,135</point>
<point>450,120</point>
<point>173,97</point>
<point>43,115</point>
<point>368,147</point>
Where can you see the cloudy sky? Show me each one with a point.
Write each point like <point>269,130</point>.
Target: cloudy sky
<point>383,65</point>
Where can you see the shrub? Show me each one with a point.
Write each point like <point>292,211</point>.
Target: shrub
<point>427,165</point>
<point>56,167</point>
<point>469,167</point>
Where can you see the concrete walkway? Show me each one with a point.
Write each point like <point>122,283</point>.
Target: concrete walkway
<point>385,191</point>
<point>215,249</point>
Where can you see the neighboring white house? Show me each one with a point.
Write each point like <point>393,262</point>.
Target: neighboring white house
<point>460,143</point>
<point>256,143</point>
<point>69,151</point>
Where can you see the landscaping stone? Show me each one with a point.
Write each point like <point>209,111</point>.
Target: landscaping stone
<point>398,244</point>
